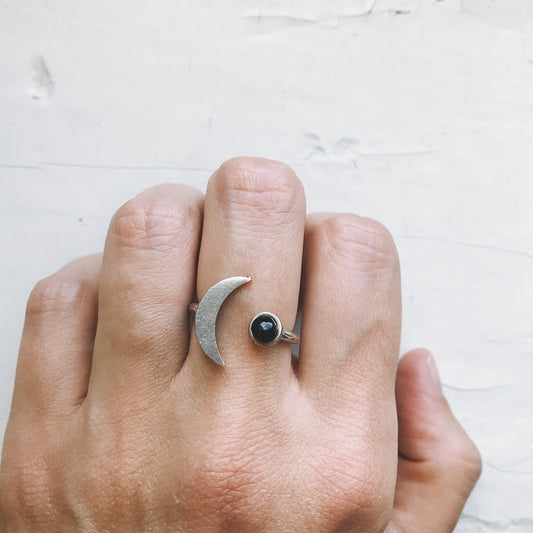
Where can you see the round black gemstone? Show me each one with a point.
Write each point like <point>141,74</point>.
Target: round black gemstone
<point>264,329</point>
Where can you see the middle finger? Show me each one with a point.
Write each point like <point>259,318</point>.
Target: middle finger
<point>254,223</point>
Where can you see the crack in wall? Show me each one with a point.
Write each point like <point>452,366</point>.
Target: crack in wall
<point>516,525</point>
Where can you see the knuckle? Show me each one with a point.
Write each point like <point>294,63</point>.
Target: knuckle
<point>222,485</point>
<point>373,500</point>
<point>148,223</point>
<point>114,483</point>
<point>119,488</point>
<point>25,493</point>
<point>470,459</point>
<point>227,476</point>
<point>261,184</point>
<point>55,294</point>
<point>461,460</point>
<point>360,497</point>
<point>361,240</point>
<point>228,473</point>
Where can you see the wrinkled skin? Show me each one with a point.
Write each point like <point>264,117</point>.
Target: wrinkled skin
<point>120,422</point>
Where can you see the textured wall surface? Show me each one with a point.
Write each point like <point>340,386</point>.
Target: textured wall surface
<point>416,112</point>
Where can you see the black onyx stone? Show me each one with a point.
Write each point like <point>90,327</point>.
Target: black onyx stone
<point>264,329</point>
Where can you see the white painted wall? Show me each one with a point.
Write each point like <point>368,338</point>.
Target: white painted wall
<point>416,112</point>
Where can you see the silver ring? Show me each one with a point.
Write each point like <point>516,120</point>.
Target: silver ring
<point>265,329</point>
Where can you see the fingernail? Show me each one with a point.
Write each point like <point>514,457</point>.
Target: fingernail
<point>433,372</point>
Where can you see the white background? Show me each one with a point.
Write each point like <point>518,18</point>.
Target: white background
<point>415,112</point>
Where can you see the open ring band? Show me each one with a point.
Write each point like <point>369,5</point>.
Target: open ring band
<point>265,329</point>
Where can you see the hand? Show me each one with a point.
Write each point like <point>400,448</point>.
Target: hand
<point>120,422</point>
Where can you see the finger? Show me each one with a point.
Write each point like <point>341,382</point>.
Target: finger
<point>57,342</point>
<point>253,226</point>
<point>147,281</point>
<point>351,315</point>
<point>438,463</point>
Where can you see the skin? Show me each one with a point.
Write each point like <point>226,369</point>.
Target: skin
<point>120,422</point>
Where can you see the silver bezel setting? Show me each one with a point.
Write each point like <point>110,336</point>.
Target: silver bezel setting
<point>278,324</point>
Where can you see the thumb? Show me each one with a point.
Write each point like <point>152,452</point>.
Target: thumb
<point>438,464</point>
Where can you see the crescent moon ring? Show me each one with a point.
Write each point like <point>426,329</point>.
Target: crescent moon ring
<point>207,311</point>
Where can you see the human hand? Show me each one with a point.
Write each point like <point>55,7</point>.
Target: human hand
<point>120,422</point>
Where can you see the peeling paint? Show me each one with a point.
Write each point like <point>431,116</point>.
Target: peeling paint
<point>301,12</point>
<point>342,150</point>
<point>500,12</point>
<point>40,85</point>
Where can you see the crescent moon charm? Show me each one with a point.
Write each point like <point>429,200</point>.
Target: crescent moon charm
<point>207,312</point>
